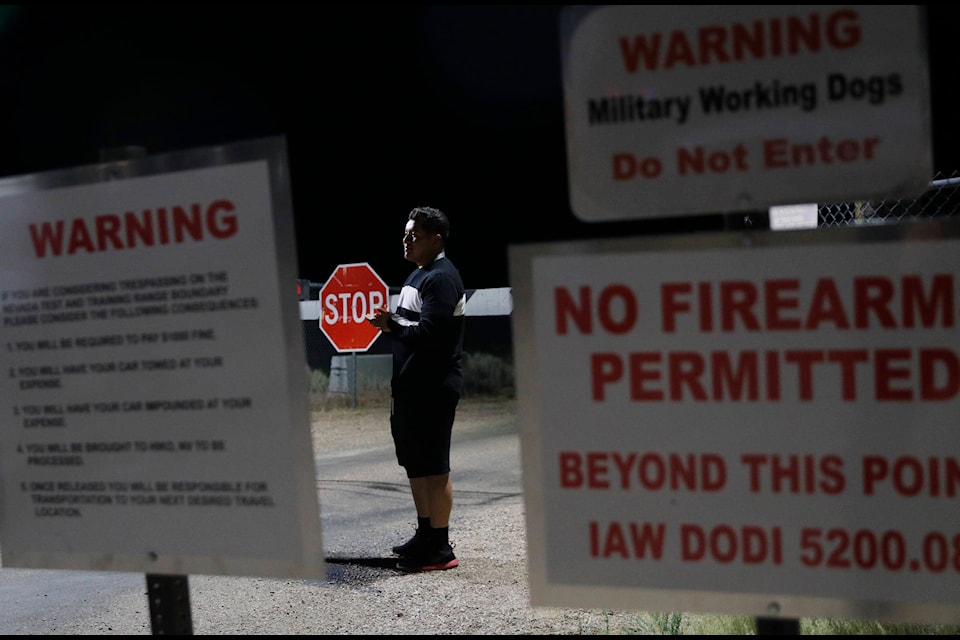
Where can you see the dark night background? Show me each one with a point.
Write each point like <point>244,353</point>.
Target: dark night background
<point>384,107</point>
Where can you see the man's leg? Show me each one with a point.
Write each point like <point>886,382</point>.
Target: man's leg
<point>433,498</point>
<point>421,501</point>
<point>440,492</point>
<point>421,496</point>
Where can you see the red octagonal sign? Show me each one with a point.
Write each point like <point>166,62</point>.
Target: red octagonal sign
<point>347,299</point>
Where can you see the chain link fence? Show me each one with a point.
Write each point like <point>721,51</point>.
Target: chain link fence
<point>941,199</point>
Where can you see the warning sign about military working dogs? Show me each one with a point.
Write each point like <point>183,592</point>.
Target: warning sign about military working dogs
<point>673,109</point>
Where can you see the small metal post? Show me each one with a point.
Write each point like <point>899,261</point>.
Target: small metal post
<point>354,385</point>
<point>778,627</point>
<point>169,605</point>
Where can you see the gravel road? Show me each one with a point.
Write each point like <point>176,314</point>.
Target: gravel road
<point>487,594</point>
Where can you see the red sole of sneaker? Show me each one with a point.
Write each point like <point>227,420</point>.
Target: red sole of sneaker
<point>443,566</point>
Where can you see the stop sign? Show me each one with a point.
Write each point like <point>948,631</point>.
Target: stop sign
<point>347,299</point>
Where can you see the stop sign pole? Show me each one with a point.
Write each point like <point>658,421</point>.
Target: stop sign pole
<point>348,299</point>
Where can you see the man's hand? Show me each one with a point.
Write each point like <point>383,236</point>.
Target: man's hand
<point>380,319</point>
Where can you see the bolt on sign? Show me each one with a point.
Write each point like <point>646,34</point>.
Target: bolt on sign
<point>679,109</point>
<point>752,425</point>
<point>349,298</point>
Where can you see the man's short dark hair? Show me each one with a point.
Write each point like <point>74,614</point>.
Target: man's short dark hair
<point>432,220</point>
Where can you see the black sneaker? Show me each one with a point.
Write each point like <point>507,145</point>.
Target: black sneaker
<point>429,560</point>
<point>410,546</point>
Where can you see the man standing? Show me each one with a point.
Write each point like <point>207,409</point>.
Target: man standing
<point>427,333</point>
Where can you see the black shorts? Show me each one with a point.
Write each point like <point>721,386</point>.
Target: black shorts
<point>421,426</point>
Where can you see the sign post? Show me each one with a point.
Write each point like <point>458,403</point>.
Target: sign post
<point>348,298</point>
